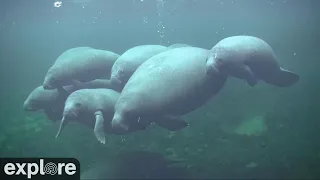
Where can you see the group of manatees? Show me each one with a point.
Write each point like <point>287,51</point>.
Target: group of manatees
<point>119,94</point>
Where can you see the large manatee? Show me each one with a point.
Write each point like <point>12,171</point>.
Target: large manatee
<point>79,64</point>
<point>52,101</point>
<point>251,58</point>
<point>167,86</point>
<point>130,60</point>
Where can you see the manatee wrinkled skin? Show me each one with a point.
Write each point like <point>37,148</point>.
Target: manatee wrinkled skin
<point>94,108</point>
<point>130,60</point>
<point>52,101</point>
<point>168,85</point>
<point>79,64</point>
<point>252,59</point>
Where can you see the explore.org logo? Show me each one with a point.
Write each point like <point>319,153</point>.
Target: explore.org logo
<point>40,168</point>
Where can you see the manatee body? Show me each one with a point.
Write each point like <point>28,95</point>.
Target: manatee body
<point>168,85</point>
<point>178,45</point>
<point>79,64</point>
<point>130,60</point>
<point>251,58</point>
<point>52,101</point>
<point>94,108</point>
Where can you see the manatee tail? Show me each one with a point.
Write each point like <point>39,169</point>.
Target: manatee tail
<point>284,78</point>
<point>62,125</point>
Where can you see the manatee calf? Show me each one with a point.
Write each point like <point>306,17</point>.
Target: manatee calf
<point>130,60</point>
<point>178,45</point>
<point>167,86</point>
<point>251,58</point>
<point>79,64</point>
<point>94,108</point>
<point>52,101</point>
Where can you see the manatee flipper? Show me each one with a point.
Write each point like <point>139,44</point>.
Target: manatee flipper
<point>99,127</point>
<point>251,79</point>
<point>211,65</point>
<point>52,114</point>
<point>171,123</point>
<point>63,123</point>
<point>284,78</point>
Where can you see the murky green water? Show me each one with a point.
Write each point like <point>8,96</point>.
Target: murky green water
<point>243,132</point>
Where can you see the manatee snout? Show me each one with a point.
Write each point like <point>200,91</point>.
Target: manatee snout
<point>118,122</point>
<point>117,76</point>
<point>71,110</point>
<point>51,80</point>
<point>48,83</point>
<point>31,104</point>
<point>47,86</point>
<point>27,106</point>
<point>70,114</point>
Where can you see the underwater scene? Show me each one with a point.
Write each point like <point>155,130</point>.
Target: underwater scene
<point>163,89</point>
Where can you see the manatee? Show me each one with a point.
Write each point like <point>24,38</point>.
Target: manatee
<point>52,101</point>
<point>130,60</point>
<point>94,108</point>
<point>178,45</point>
<point>79,64</point>
<point>252,59</point>
<point>167,86</point>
